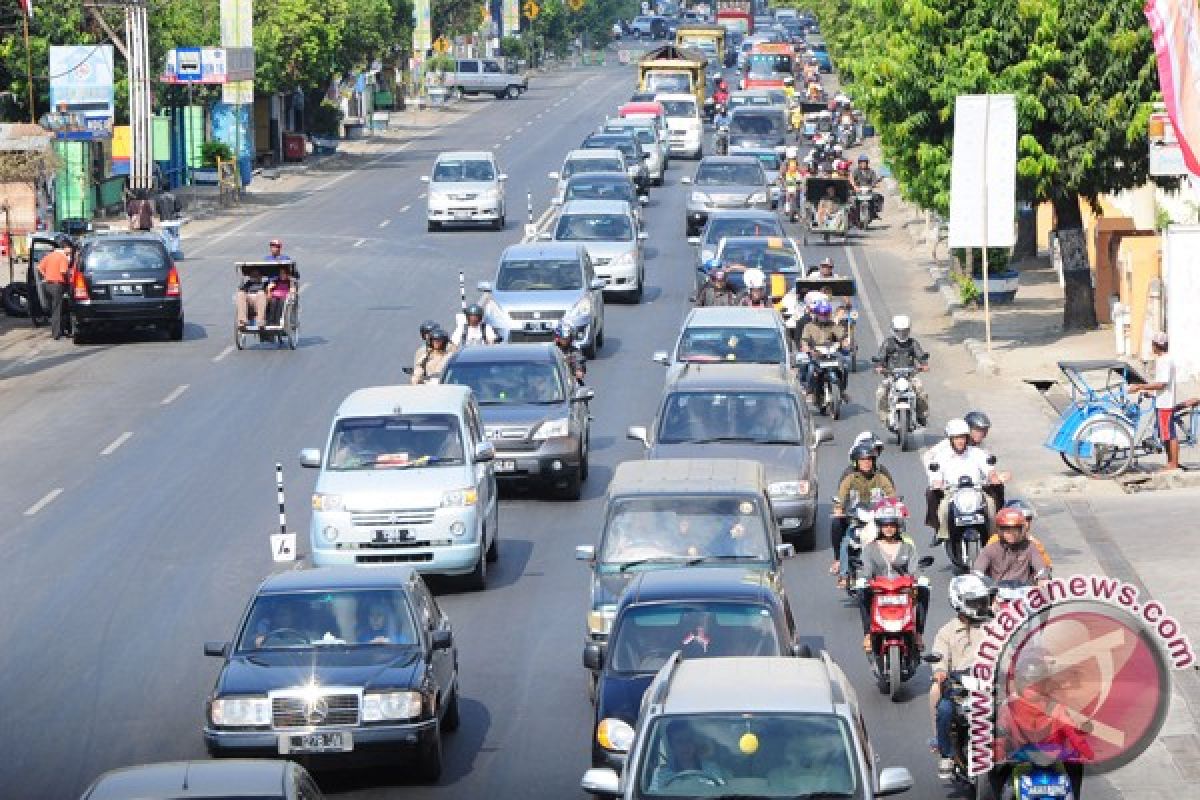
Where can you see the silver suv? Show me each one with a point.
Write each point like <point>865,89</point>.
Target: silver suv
<point>724,182</point>
<point>609,230</point>
<point>756,720</point>
<point>465,187</point>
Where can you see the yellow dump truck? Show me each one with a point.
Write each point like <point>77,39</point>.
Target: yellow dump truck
<point>673,69</point>
<point>708,39</point>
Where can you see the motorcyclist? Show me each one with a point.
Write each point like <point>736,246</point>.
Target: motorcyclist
<point>755,295</point>
<point>863,178</point>
<point>865,484</point>
<point>426,330</point>
<point>716,291</point>
<point>822,330</point>
<point>902,350</point>
<point>877,444</point>
<point>564,340</point>
<point>972,597</point>
<point>428,368</point>
<point>1012,557</point>
<point>955,459</point>
<point>823,270</point>
<point>841,168</point>
<point>473,330</point>
<point>1030,515</point>
<point>890,555</point>
<point>721,94</point>
<point>980,424</point>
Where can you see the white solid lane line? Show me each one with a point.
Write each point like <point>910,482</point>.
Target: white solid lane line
<point>120,440</point>
<point>872,319</point>
<point>175,393</point>
<point>228,349</point>
<point>45,501</point>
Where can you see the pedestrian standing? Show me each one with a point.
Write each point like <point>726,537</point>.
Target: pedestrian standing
<point>141,212</point>
<point>54,267</point>
<point>1164,397</point>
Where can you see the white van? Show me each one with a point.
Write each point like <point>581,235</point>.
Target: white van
<point>684,123</point>
<point>406,477</point>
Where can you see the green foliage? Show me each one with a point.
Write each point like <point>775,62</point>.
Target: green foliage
<point>211,151</point>
<point>968,292</point>
<point>440,63</point>
<point>513,47</point>
<point>55,22</point>
<point>326,119</point>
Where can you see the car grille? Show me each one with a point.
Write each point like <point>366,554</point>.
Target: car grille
<point>729,200</point>
<point>519,337</point>
<point>601,262</point>
<point>470,196</point>
<point>540,315</point>
<point>394,558</point>
<point>329,710</point>
<point>507,433</point>
<point>375,519</point>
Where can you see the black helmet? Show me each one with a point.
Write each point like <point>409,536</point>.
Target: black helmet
<point>863,450</point>
<point>439,335</point>
<point>474,310</point>
<point>978,420</point>
<point>427,327</point>
<point>62,240</point>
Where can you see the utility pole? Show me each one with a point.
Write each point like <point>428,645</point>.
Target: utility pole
<point>135,47</point>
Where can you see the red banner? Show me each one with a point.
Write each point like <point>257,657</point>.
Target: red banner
<point>26,6</point>
<point>1175,25</point>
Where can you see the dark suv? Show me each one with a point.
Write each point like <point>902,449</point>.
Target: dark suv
<point>126,280</point>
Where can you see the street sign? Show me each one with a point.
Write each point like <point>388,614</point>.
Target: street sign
<point>575,5</point>
<point>187,64</point>
<point>441,45</point>
<point>531,9</point>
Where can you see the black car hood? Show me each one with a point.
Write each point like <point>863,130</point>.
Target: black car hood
<point>619,695</point>
<point>366,667</point>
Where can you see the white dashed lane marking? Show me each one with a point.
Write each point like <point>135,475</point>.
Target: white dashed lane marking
<point>175,394</point>
<point>45,501</point>
<point>120,440</point>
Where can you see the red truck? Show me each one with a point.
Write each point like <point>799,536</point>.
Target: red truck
<point>736,15</point>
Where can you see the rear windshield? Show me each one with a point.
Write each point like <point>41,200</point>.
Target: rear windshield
<point>125,256</point>
<point>594,189</point>
<point>730,344</point>
<point>769,161</point>
<point>644,135</point>
<point>577,165</point>
<point>679,108</point>
<point>757,123</point>
<point>593,228</point>
<point>668,82</point>
<point>524,276</point>
<point>459,171</point>
<point>719,228</point>
<point>725,174</point>
<point>625,144</point>
<point>396,442</point>
<point>768,63</point>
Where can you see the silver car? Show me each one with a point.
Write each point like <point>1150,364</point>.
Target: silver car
<point>649,136</point>
<point>540,284</point>
<point>579,161</point>
<point>610,232</point>
<point>604,186</point>
<point>772,163</point>
<point>465,187</point>
<point>725,182</point>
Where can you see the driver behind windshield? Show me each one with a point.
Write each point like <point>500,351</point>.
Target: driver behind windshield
<point>685,755</point>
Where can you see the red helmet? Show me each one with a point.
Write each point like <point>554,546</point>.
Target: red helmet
<point>1010,518</point>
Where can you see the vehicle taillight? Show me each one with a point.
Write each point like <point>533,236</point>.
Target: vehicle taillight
<point>79,289</point>
<point>173,283</point>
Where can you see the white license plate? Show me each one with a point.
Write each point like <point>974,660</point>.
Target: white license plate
<point>325,742</point>
<point>903,405</point>
<point>971,519</point>
<point>127,288</point>
<point>506,466</point>
<point>394,534</point>
<point>462,214</point>
<point>831,364</point>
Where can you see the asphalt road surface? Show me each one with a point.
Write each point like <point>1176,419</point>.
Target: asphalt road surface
<point>140,480</point>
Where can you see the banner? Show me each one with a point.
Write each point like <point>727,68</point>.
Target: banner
<point>237,30</point>
<point>511,17</point>
<point>422,29</point>
<point>81,82</point>
<point>1175,25</point>
<point>983,171</point>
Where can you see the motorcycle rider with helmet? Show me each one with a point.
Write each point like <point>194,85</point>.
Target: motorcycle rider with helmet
<point>755,295</point>
<point>890,554</point>
<point>428,368</point>
<point>716,291</point>
<point>822,330</point>
<point>902,350</point>
<point>956,458</point>
<point>866,484</point>
<point>972,597</point>
<point>877,444</point>
<point>1012,556</point>
<point>426,330</point>
<point>564,340</point>
<point>474,331</point>
<point>1028,512</point>
<point>865,178</point>
<point>980,424</point>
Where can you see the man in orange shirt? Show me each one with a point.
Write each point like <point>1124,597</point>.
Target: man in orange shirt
<point>54,267</point>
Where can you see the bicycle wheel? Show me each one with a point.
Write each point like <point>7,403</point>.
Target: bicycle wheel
<point>1103,447</point>
<point>1185,426</point>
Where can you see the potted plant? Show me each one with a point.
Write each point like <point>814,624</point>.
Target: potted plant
<point>210,153</point>
<point>323,127</point>
<point>1002,280</point>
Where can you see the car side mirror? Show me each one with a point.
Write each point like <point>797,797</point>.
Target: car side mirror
<point>643,200</point>
<point>894,780</point>
<point>585,552</point>
<point>785,550</point>
<point>598,283</point>
<point>593,656</point>
<point>484,286</point>
<point>583,394</point>
<point>642,236</point>
<point>686,180</point>
<point>502,177</point>
<point>552,175</point>
<point>602,782</point>
<point>639,434</point>
<point>310,457</point>
<point>661,357</point>
<point>424,179</point>
<point>822,435</point>
<point>545,236</point>
<point>934,466</point>
<point>925,562</point>
<point>484,452</point>
<point>442,640</point>
<point>216,649</point>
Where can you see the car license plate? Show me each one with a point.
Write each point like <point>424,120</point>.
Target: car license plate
<point>831,364</point>
<point>326,742</point>
<point>462,214</point>
<point>128,288</point>
<point>394,534</point>
<point>506,466</point>
<point>971,519</point>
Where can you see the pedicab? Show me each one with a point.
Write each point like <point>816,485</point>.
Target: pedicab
<point>827,208</point>
<point>282,319</point>
<point>1103,427</point>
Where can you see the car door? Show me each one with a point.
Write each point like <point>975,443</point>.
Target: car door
<point>485,472</point>
<point>493,76</point>
<point>443,663</point>
<point>597,295</point>
<point>468,75</point>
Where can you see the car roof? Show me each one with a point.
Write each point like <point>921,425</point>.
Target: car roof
<point>608,137</point>
<point>589,205</point>
<point>744,213</point>
<point>391,576</point>
<point>380,400</point>
<point>688,476</point>
<point>731,377</point>
<point>688,583</point>
<point>752,685</point>
<point>199,779</point>
<point>542,251</point>
<point>741,316</point>
<point>117,237</point>
<point>595,152</point>
<point>505,353</point>
<point>729,160</point>
<point>483,155</point>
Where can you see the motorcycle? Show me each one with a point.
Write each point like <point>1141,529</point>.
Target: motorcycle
<point>721,140</point>
<point>901,403</point>
<point>894,654</point>
<point>864,208</point>
<point>830,376</point>
<point>968,520</point>
<point>958,687</point>
<point>791,208</point>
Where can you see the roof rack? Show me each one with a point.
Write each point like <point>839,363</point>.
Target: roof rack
<point>662,687</point>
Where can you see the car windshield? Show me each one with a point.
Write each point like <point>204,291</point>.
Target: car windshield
<point>729,174</point>
<point>125,256</point>
<point>749,100</point>
<point>539,275</point>
<point>668,82</point>
<point>679,108</point>
<point>756,123</point>
<point>719,228</point>
<point>577,165</point>
<point>600,189</point>
<point>300,620</point>
<point>775,755</point>
<point>679,528</point>
<point>769,63</point>
<point>593,228</point>
<point>397,442</point>
<point>769,161</point>
<point>463,171</point>
<point>750,417</point>
<point>509,383</point>
<point>625,144</point>
<point>760,255</point>
<point>646,636</point>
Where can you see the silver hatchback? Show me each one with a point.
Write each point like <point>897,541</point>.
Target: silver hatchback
<point>609,230</point>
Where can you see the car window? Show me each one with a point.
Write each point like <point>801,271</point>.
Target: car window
<point>644,135</point>
<point>626,144</point>
<point>769,63</point>
<point>769,161</point>
<point>646,636</point>
<point>509,383</point>
<point>452,171</point>
<point>668,82</point>
<point>395,442</point>
<point>468,66</point>
<point>756,123</point>
<point>578,165</point>
<point>729,174</point>
<point>539,275</point>
<point>491,66</point>
<point>719,228</point>
<point>683,527</point>
<point>758,254</point>
<point>125,256</point>
<point>596,189</point>
<point>297,620</point>
<point>679,108</point>
<point>753,417</point>
<point>796,755</point>
<point>594,228</point>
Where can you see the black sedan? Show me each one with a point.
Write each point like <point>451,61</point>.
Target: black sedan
<point>337,666</point>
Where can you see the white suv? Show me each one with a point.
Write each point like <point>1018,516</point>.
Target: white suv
<point>684,123</point>
<point>465,187</point>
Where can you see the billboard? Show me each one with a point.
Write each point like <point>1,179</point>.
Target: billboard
<point>983,171</point>
<point>81,82</point>
<point>237,31</point>
<point>511,17</point>
<point>422,28</point>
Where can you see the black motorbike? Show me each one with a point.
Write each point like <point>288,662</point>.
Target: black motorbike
<point>828,378</point>
<point>967,517</point>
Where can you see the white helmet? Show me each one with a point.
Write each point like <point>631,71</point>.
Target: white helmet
<point>971,595</point>
<point>792,153</point>
<point>755,279</point>
<point>958,427</point>
<point>837,150</point>
<point>901,325</point>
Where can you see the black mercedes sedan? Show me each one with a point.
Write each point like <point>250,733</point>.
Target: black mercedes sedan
<point>338,666</point>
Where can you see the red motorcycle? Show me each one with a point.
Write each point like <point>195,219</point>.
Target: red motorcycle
<point>894,654</point>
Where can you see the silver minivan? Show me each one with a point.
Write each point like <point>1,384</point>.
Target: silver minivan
<point>406,478</point>
<point>465,187</point>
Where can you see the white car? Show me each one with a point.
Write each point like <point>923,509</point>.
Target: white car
<point>465,187</point>
<point>684,123</point>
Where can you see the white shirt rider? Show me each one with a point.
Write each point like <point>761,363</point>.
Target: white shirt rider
<point>953,466</point>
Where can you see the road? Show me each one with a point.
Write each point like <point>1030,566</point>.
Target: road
<point>141,478</point>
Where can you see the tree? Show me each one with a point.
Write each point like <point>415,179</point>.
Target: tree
<point>297,43</point>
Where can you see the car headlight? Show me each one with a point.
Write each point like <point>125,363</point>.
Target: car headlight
<point>379,706</point>
<point>614,735</point>
<point>788,488</point>
<point>552,428</point>
<point>700,199</point>
<point>240,712</point>
<point>321,501</point>
<point>707,255</point>
<point>626,259</point>
<point>757,197</point>
<point>600,620</point>
<point>581,309</point>
<point>459,498</point>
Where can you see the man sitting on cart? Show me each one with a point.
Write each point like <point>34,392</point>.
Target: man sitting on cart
<point>251,296</point>
<point>828,206</point>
